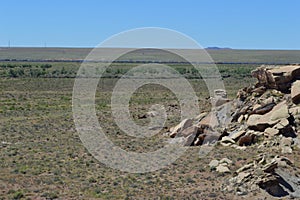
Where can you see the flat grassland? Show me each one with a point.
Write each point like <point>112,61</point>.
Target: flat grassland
<point>231,55</point>
<point>42,156</point>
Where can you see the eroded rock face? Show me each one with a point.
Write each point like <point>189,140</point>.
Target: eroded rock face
<point>279,78</point>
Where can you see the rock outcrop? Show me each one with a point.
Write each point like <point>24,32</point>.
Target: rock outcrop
<point>275,77</point>
<point>275,176</point>
<point>265,110</point>
<point>221,166</point>
<point>266,114</point>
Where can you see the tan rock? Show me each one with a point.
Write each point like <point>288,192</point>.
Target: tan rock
<point>200,116</point>
<point>242,176</point>
<point>282,124</point>
<point>240,119</point>
<point>182,125</point>
<point>213,164</point>
<point>239,147</point>
<point>227,141</point>
<point>286,141</point>
<point>222,169</point>
<point>272,132</point>
<point>294,110</point>
<point>259,91</point>
<point>235,136</point>
<point>286,160</point>
<point>270,167</point>
<point>226,160</point>
<point>256,106</point>
<point>295,92</point>
<point>190,139</point>
<point>261,122</point>
<point>286,150</point>
<point>245,168</point>
<point>257,122</point>
<point>289,70</point>
<point>209,121</point>
<point>280,111</point>
<point>188,131</point>
<point>269,100</point>
<point>285,144</point>
<point>212,137</point>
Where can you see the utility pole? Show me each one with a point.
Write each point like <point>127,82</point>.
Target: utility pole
<point>8,43</point>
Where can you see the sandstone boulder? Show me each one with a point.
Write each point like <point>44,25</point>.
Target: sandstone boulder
<point>242,176</point>
<point>208,138</point>
<point>181,126</point>
<point>295,92</point>
<point>226,160</point>
<point>236,135</point>
<point>210,120</point>
<point>213,164</point>
<point>222,168</point>
<point>271,132</point>
<point>192,130</point>
<point>261,122</point>
<point>295,111</point>
<point>227,141</point>
<point>285,144</point>
<point>200,116</point>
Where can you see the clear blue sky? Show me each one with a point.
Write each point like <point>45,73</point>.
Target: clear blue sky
<point>253,24</point>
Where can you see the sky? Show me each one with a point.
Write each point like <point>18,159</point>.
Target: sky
<point>255,24</point>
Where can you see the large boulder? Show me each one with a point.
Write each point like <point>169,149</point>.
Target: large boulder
<point>210,120</point>
<point>261,122</point>
<point>190,134</point>
<point>181,126</point>
<point>295,92</point>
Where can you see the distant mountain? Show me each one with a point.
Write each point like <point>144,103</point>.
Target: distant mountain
<point>217,48</point>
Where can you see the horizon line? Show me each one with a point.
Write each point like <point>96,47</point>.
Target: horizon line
<point>213,48</point>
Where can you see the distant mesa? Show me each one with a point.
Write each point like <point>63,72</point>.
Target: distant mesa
<point>217,48</point>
